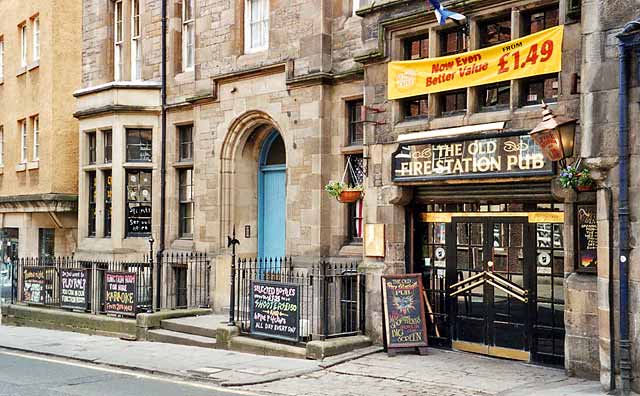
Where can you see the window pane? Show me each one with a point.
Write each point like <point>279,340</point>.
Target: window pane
<point>91,226</point>
<point>354,109</point>
<point>416,107</point>
<point>541,20</point>
<point>138,210</point>
<point>139,145</point>
<point>495,32</point>
<point>107,203</point>
<point>186,142</point>
<point>495,95</point>
<point>454,101</point>
<point>46,243</point>
<point>542,88</point>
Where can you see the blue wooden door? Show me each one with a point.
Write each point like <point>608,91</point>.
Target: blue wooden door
<point>271,233</point>
<point>272,185</point>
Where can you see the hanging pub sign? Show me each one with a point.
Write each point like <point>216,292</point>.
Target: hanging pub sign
<point>34,283</point>
<point>120,293</point>
<point>587,238</point>
<point>501,155</point>
<point>275,310</point>
<point>404,320</point>
<point>74,288</point>
<point>532,55</point>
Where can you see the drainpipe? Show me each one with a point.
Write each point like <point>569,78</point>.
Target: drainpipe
<point>623,209</point>
<point>163,160</point>
<point>612,319</point>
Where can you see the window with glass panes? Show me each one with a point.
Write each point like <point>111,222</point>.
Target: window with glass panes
<point>354,109</point>
<point>108,182</point>
<point>540,20</point>
<point>256,36</point>
<point>539,88</point>
<point>118,45</point>
<point>138,145</point>
<point>108,146</point>
<point>186,202</point>
<point>495,31</point>
<point>453,101</point>
<point>452,41</point>
<point>494,95</point>
<point>185,135</point>
<point>415,107</point>
<point>416,47</point>
<point>46,243</point>
<point>138,209</point>
<point>91,224</point>
<point>188,35</point>
<point>136,47</point>
<point>91,147</point>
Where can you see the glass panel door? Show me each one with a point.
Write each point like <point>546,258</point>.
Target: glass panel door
<point>508,311</point>
<point>469,262</point>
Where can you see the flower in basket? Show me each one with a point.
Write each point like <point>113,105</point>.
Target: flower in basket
<point>343,192</point>
<point>574,177</point>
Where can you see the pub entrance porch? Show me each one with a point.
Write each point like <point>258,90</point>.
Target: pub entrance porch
<point>494,277</point>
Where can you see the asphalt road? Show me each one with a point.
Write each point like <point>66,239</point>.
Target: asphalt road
<point>27,375</point>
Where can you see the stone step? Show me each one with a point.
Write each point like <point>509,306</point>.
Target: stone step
<point>204,326</point>
<point>173,337</point>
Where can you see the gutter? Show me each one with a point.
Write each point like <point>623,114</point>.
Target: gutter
<point>627,40</point>
<point>163,160</point>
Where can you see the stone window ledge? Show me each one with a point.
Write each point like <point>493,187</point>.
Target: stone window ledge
<point>33,65</point>
<point>183,164</point>
<point>33,165</point>
<point>352,250</point>
<point>1,169</point>
<point>21,71</point>
<point>1,80</point>
<point>21,167</point>
<point>353,149</point>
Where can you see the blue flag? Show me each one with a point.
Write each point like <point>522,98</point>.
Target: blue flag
<point>442,14</point>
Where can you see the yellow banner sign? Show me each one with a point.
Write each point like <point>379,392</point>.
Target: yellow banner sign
<point>538,53</point>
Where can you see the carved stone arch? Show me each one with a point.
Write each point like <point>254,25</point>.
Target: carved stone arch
<point>246,133</point>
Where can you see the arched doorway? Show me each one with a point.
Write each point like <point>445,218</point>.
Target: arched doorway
<point>272,197</point>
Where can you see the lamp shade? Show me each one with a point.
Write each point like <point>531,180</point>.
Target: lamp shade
<point>555,135</point>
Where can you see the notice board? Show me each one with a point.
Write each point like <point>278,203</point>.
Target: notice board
<point>120,293</point>
<point>74,288</point>
<point>34,285</point>
<point>275,310</point>
<point>404,318</point>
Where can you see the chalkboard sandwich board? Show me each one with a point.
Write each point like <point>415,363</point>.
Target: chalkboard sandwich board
<point>275,310</point>
<point>404,319</point>
<point>74,288</point>
<point>34,285</point>
<point>120,293</point>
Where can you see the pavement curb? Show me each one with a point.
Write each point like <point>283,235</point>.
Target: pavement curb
<point>327,363</point>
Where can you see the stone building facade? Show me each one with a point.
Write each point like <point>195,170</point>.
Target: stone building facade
<point>265,103</point>
<point>421,217</point>
<point>40,45</point>
<point>257,123</point>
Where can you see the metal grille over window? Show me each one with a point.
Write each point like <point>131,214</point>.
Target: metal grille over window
<point>138,203</point>
<point>355,163</point>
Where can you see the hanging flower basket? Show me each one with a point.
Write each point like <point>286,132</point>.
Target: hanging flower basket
<point>350,196</point>
<point>577,178</point>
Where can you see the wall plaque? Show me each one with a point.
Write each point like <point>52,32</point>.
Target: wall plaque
<point>512,154</point>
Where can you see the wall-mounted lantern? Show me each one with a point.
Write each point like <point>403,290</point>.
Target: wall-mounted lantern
<point>555,135</point>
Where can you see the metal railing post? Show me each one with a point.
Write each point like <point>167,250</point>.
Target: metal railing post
<point>232,242</point>
<point>152,273</point>
<point>325,300</point>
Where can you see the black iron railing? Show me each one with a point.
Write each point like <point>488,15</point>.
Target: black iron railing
<point>39,281</point>
<point>332,295</point>
<point>186,280</point>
